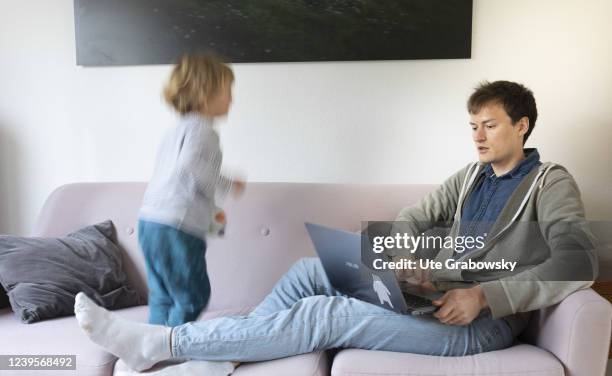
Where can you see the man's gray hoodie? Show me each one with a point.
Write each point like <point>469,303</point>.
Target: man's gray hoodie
<point>542,228</point>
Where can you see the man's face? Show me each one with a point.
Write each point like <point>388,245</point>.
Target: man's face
<point>497,140</point>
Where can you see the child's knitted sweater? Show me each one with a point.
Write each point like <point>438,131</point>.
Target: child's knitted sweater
<point>187,178</point>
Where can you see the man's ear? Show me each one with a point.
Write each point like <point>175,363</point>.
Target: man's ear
<point>523,124</point>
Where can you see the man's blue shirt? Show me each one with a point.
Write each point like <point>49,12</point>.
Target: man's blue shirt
<point>490,195</point>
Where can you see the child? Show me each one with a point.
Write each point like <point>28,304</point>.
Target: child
<point>179,209</point>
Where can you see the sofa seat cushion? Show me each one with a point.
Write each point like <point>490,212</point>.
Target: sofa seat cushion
<point>60,336</point>
<point>518,360</point>
<point>63,336</point>
<point>312,364</point>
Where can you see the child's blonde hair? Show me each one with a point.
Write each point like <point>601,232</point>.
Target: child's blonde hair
<point>195,80</point>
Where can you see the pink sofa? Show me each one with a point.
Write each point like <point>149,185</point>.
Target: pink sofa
<point>264,237</point>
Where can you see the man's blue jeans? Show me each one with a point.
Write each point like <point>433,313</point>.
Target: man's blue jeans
<point>304,313</point>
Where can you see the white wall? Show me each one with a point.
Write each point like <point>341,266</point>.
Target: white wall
<point>387,122</point>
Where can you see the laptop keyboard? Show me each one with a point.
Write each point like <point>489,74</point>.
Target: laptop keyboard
<point>414,302</point>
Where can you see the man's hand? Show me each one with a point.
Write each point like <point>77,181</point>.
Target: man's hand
<point>460,306</point>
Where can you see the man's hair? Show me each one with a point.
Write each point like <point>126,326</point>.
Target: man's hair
<point>517,100</point>
<point>195,80</point>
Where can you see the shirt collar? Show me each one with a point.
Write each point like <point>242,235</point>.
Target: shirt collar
<point>532,159</point>
<point>195,118</point>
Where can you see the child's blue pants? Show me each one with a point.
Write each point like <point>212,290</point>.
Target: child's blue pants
<point>179,288</point>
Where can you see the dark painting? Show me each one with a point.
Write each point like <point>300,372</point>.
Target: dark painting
<point>134,32</point>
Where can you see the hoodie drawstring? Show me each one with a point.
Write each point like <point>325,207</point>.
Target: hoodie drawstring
<point>467,182</point>
<point>539,177</point>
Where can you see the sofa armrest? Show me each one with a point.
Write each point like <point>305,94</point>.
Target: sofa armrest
<point>576,331</point>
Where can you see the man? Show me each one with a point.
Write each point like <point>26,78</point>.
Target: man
<point>529,213</point>
<point>481,310</point>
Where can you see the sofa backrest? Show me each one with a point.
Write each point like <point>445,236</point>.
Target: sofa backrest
<point>264,236</point>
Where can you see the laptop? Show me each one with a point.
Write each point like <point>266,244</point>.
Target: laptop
<point>340,254</point>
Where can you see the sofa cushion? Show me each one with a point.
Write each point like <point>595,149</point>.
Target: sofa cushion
<point>312,364</point>
<point>63,336</point>
<point>43,275</point>
<point>518,360</point>
<point>60,336</point>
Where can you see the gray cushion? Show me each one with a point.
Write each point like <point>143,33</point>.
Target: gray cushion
<point>43,275</point>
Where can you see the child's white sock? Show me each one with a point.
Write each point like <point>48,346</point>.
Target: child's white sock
<point>139,345</point>
<point>188,368</point>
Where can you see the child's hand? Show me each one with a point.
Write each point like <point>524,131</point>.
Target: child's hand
<point>220,217</point>
<point>238,187</point>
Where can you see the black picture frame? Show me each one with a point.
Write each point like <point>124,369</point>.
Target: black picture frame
<point>139,32</point>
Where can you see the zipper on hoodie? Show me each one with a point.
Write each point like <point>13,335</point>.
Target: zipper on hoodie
<point>543,171</point>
